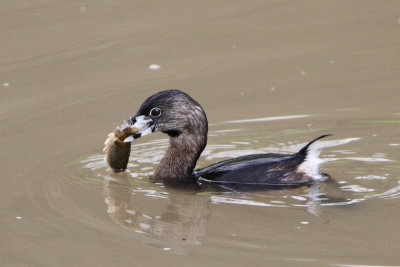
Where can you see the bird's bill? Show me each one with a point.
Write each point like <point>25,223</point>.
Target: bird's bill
<point>142,124</point>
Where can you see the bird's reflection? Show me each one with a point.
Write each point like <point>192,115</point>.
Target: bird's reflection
<point>179,216</point>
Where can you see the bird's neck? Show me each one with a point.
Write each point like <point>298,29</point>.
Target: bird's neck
<point>180,159</point>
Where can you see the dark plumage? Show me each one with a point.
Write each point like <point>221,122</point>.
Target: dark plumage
<point>260,169</point>
<point>175,113</point>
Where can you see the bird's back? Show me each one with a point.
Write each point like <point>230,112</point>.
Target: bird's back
<point>258,169</point>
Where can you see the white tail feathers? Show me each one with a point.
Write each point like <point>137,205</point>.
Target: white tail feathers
<point>311,164</point>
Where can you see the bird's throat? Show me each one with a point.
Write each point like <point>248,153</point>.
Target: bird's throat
<point>180,158</point>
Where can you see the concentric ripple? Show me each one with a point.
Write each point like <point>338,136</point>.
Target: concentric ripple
<point>135,202</point>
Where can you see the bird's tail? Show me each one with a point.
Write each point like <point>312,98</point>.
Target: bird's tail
<point>311,162</point>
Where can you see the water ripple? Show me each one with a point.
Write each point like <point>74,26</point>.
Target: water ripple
<point>145,156</point>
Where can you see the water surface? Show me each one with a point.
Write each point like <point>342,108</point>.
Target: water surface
<point>271,76</point>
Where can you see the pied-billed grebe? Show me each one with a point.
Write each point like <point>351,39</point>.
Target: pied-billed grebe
<point>175,113</point>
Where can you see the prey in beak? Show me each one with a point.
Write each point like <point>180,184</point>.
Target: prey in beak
<point>118,144</point>
<point>137,126</point>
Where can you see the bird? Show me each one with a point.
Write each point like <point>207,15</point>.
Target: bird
<point>175,113</point>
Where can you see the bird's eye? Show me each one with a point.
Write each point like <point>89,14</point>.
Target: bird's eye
<point>155,112</point>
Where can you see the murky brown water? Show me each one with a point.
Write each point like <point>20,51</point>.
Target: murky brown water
<point>70,71</point>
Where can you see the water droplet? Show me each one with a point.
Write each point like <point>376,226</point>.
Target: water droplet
<point>303,73</point>
<point>6,84</point>
<point>305,222</point>
<point>166,249</point>
<point>18,218</point>
<point>273,88</point>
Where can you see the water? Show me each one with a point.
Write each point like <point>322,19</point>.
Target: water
<point>271,76</point>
